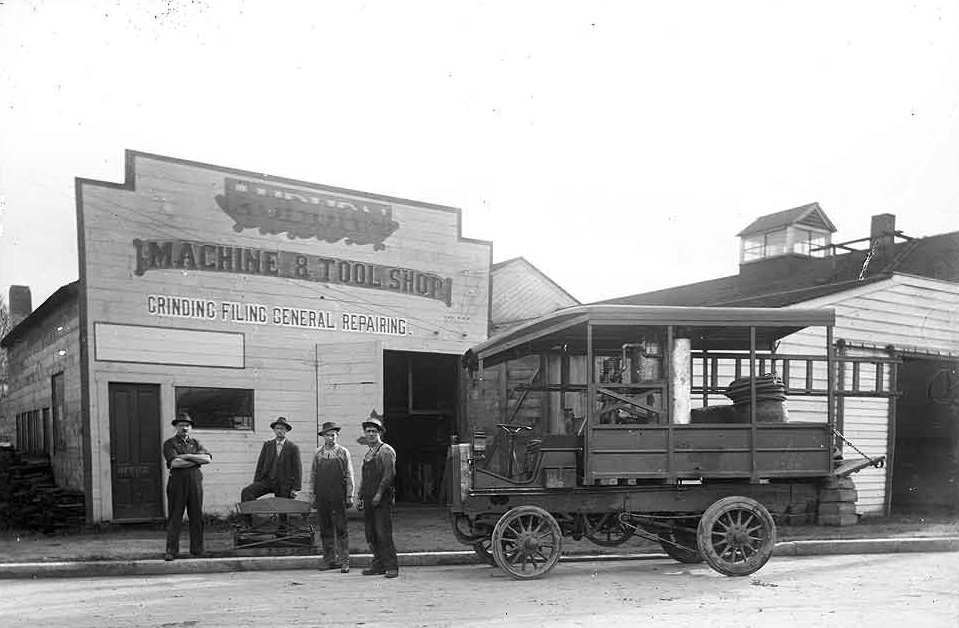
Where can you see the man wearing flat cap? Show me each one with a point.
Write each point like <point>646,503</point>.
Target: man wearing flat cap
<point>376,498</point>
<point>184,456</point>
<point>278,469</point>
<point>332,474</point>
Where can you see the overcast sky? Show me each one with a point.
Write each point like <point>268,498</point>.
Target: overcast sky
<point>618,146</point>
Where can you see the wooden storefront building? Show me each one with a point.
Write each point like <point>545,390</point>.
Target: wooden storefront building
<point>241,297</point>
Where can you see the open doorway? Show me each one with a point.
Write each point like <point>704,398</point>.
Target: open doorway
<point>926,456</point>
<point>420,393</point>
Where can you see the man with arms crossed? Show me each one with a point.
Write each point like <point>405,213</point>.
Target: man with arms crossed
<point>184,456</point>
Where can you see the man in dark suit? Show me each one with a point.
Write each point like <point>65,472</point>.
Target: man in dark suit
<point>278,468</point>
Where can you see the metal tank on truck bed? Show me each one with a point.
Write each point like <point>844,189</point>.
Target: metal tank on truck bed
<point>604,421</point>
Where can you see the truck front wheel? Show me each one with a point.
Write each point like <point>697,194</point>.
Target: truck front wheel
<point>527,542</point>
<point>736,536</point>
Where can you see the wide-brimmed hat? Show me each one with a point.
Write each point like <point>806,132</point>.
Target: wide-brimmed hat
<point>329,426</point>
<point>281,421</point>
<point>181,417</point>
<point>375,420</point>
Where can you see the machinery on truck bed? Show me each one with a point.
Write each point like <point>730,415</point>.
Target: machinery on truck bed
<point>604,421</point>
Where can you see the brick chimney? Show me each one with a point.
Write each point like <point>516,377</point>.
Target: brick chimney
<point>20,304</point>
<point>883,228</point>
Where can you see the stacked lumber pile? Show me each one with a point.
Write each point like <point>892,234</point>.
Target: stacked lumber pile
<point>30,499</point>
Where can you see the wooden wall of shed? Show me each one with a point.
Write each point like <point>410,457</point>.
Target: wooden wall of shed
<point>909,314</point>
<point>522,293</point>
<point>174,200</point>
<point>50,347</point>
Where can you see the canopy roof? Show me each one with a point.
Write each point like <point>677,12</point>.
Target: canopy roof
<point>714,328</point>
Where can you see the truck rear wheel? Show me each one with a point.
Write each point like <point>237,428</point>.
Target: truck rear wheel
<point>527,542</point>
<point>736,536</point>
<point>606,530</point>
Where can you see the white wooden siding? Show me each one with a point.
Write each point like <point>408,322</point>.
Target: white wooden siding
<point>865,425</point>
<point>350,385</point>
<point>521,293</point>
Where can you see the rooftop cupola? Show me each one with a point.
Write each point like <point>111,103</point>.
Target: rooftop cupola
<point>800,231</point>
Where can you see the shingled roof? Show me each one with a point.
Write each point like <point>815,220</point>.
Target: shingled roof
<point>789,279</point>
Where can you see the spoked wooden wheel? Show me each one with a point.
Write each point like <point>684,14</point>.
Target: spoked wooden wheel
<point>607,530</point>
<point>688,553</point>
<point>527,542</point>
<point>482,549</point>
<point>736,536</point>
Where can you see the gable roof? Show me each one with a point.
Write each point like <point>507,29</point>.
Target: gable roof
<point>65,294</point>
<point>521,292</point>
<point>810,215</point>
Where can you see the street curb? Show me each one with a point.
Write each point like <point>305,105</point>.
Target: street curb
<point>867,546</point>
<point>157,567</point>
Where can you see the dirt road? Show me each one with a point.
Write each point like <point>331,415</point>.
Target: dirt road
<point>875,590</point>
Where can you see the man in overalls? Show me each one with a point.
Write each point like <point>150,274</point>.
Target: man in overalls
<point>376,498</point>
<point>332,474</point>
<point>184,456</point>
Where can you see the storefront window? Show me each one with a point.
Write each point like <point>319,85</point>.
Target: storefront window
<point>217,408</point>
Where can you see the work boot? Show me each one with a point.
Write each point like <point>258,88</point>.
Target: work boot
<point>392,573</point>
<point>373,571</point>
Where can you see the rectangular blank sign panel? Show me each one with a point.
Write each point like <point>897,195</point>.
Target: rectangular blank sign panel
<point>162,345</point>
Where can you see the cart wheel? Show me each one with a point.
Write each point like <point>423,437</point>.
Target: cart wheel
<point>736,536</point>
<point>527,542</point>
<point>607,530</point>
<point>482,549</point>
<point>688,554</point>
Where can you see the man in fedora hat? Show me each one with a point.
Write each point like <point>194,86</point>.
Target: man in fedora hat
<point>376,498</point>
<point>332,474</point>
<point>278,469</point>
<point>184,456</point>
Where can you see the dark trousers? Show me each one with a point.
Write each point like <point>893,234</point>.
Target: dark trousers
<point>379,534</point>
<point>261,488</point>
<point>184,491</point>
<point>334,534</point>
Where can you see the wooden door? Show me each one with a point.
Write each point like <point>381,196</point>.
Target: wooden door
<point>135,457</point>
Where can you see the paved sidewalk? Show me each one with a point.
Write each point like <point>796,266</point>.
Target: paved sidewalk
<point>423,537</point>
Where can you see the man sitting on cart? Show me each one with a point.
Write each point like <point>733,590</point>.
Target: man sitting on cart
<point>278,469</point>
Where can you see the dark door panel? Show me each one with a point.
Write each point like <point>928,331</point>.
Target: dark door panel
<point>135,460</point>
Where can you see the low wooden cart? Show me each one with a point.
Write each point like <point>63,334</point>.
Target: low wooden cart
<point>273,522</point>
